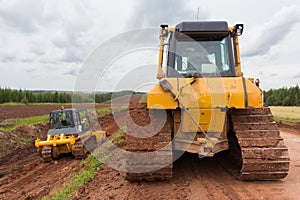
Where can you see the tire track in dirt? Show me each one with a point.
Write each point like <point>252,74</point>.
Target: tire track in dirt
<point>25,176</point>
<point>7,112</point>
<point>196,178</point>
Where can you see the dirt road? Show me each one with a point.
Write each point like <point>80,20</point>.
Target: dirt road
<point>199,179</point>
<point>25,176</point>
<point>7,112</point>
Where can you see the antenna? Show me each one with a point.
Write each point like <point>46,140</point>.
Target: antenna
<point>198,14</point>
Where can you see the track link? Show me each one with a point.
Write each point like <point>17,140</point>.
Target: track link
<point>46,153</point>
<point>257,147</point>
<point>152,157</point>
<point>83,146</point>
<point>79,151</point>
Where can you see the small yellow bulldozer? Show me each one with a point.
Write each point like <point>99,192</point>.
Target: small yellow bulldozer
<point>69,132</point>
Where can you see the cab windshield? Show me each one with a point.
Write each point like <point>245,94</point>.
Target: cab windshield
<point>202,58</point>
<point>62,119</point>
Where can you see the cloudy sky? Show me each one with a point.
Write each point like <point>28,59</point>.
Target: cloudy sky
<point>44,44</point>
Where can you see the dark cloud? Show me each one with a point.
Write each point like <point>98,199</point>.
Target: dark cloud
<point>272,32</point>
<point>155,12</point>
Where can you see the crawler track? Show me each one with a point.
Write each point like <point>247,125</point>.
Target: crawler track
<point>146,151</point>
<point>83,146</point>
<point>257,147</point>
<point>46,153</point>
<point>79,151</point>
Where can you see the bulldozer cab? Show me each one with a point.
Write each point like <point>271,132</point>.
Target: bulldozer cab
<point>193,52</point>
<point>68,121</point>
<point>61,119</point>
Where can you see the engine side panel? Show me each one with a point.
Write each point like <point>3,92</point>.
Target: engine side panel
<point>219,92</point>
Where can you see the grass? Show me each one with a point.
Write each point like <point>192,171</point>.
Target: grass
<point>118,137</point>
<point>90,167</point>
<point>10,124</point>
<point>108,110</point>
<point>143,99</point>
<point>103,111</point>
<point>21,121</point>
<point>20,139</point>
<point>286,114</point>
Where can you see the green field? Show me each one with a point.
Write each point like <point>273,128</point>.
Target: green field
<point>11,124</point>
<point>286,113</point>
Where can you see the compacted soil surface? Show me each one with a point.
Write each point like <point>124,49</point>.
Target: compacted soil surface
<point>8,112</point>
<point>23,175</point>
<point>196,178</point>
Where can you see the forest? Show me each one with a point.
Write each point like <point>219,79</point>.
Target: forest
<point>283,96</point>
<point>273,97</point>
<point>26,96</point>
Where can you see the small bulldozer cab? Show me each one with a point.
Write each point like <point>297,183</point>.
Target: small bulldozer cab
<point>69,122</point>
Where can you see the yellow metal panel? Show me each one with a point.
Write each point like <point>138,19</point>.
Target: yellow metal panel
<point>211,120</point>
<point>99,135</point>
<point>237,56</point>
<point>158,99</point>
<point>64,148</point>
<point>160,73</point>
<point>207,93</point>
<point>55,141</point>
<point>235,96</point>
<point>255,95</point>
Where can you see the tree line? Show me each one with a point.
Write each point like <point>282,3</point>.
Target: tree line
<point>26,96</point>
<point>273,97</point>
<point>283,96</point>
<point>102,97</point>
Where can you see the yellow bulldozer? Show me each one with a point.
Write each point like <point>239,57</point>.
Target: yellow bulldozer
<point>211,107</point>
<point>69,132</point>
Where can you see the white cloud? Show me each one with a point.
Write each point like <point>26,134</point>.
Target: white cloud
<point>156,12</point>
<point>22,15</point>
<point>265,36</point>
<point>42,41</point>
